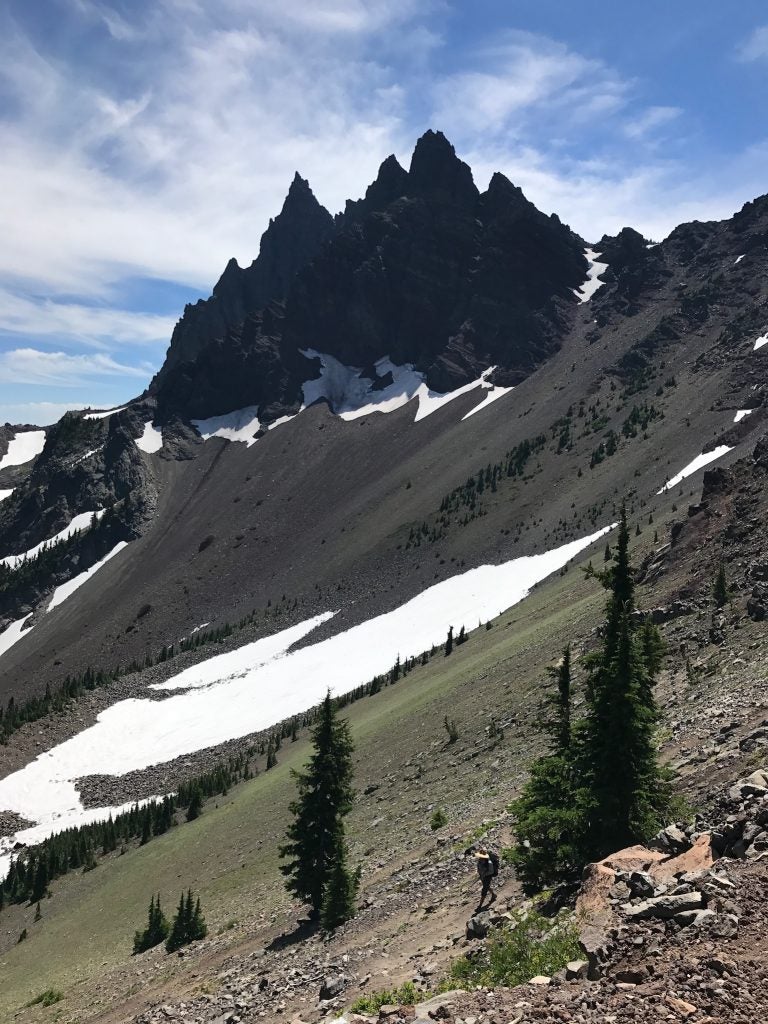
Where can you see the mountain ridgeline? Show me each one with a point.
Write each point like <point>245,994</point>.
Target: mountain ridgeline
<point>425,269</point>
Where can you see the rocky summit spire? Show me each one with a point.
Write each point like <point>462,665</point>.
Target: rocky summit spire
<point>437,173</point>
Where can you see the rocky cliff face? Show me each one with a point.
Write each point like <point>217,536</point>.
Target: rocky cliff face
<point>292,239</point>
<point>424,269</point>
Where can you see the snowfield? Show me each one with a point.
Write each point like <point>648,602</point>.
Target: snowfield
<point>66,590</point>
<point>241,425</point>
<point>351,395</point>
<point>151,440</point>
<point>6,493</point>
<point>762,340</point>
<point>23,448</point>
<point>741,414</point>
<point>590,286</point>
<point>11,634</point>
<point>80,522</point>
<point>104,413</point>
<point>254,687</point>
<point>698,463</point>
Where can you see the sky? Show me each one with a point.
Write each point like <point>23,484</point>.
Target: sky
<point>145,142</point>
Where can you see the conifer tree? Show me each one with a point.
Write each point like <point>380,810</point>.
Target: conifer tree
<point>324,799</point>
<point>341,888</point>
<point>188,923</point>
<point>720,586</point>
<point>195,808</point>
<point>617,759</point>
<point>156,931</point>
<point>449,642</point>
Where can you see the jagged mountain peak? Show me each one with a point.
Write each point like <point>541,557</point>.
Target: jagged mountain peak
<point>436,172</point>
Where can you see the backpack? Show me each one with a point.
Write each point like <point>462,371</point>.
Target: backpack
<point>494,857</point>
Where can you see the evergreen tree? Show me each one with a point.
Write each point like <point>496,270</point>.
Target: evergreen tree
<point>156,931</point>
<point>195,808</point>
<point>324,799</point>
<point>340,889</point>
<point>720,586</point>
<point>188,923</point>
<point>449,642</point>
<point>601,787</point>
<point>271,755</point>
<point>616,759</point>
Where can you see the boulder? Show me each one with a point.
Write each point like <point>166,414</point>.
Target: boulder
<point>479,925</point>
<point>698,858</point>
<point>666,906</point>
<point>576,969</point>
<point>333,986</point>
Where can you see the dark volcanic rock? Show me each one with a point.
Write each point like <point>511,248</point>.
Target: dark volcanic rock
<point>292,239</point>
<point>423,269</point>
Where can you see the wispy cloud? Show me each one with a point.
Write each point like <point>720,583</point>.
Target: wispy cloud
<point>650,121</point>
<point>95,326</point>
<point>60,369</point>
<point>755,47</point>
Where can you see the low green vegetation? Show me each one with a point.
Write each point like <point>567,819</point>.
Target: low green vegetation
<point>530,945</point>
<point>406,995</point>
<point>438,820</point>
<point>47,998</point>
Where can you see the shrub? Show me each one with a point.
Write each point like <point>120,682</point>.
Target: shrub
<point>406,995</point>
<point>513,955</point>
<point>47,998</point>
<point>438,819</point>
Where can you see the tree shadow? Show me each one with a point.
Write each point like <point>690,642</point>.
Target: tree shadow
<point>305,928</point>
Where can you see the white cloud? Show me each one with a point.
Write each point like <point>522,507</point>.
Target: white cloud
<point>96,326</point>
<point>521,77</point>
<point>650,120</point>
<point>755,47</point>
<point>60,369</point>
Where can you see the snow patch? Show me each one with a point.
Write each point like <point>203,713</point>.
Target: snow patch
<point>762,340</point>
<point>103,414</point>
<point>66,590</point>
<point>82,521</point>
<point>240,425</point>
<point>493,394</point>
<point>741,414</point>
<point>254,687</point>
<point>595,269</point>
<point>351,395</point>
<point>739,259</point>
<point>151,440</point>
<point>6,493</point>
<point>698,463</point>
<point>23,448</point>
<point>13,633</point>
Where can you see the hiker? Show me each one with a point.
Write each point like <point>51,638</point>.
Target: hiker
<point>487,870</point>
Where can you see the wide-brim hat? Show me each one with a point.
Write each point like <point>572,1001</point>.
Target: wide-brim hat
<point>485,856</point>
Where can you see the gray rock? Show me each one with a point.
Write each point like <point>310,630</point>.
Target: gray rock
<point>665,906</point>
<point>333,986</point>
<point>693,917</point>
<point>479,925</point>
<point>576,969</point>
<point>670,840</point>
<point>641,884</point>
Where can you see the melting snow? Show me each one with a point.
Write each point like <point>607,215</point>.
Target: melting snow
<point>6,494</point>
<point>762,340</point>
<point>241,425</point>
<point>698,463</point>
<point>61,593</point>
<point>11,634</point>
<point>739,259</point>
<point>103,415</point>
<point>23,448</point>
<point>256,686</point>
<point>741,414</point>
<point>80,522</point>
<point>151,440</point>
<point>351,395</point>
<point>590,286</point>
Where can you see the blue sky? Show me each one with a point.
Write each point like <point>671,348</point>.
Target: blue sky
<point>144,143</point>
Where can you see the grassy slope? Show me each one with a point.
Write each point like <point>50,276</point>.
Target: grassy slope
<point>230,855</point>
